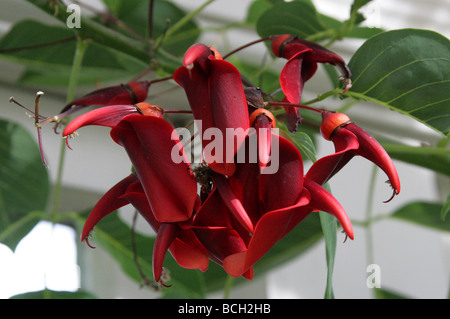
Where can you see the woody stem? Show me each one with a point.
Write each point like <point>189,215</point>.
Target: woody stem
<point>73,80</point>
<point>246,46</point>
<point>287,104</point>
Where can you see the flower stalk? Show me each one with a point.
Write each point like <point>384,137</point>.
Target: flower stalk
<point>73,81</point>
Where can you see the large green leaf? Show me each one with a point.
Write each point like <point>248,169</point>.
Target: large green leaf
<point>408,71</point>
<point>134,13</point>
<point>24,182</point>
<point>49,59</point>
<point>297,18</point>
<point>94,31</point>
<point>425,214</point>
<point>52,294</point>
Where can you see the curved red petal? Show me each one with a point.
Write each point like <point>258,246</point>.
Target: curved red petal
<point>189,256</point>
<point>195,84</point>
<point>167,233</point>
<point>326,167</point>
<point>130,93</point>
<point>108,116</point>
<point>197,54</point>
<point>111,201</point>
<point>291,80</point>
<point>271,228</point>
<point>284,187</point>
<point>371,149</point>
<point>171,188</point>
<point>232,202</point>
<point>322,200</point>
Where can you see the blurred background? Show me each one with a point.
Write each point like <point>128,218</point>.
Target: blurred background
<point>414,261</point>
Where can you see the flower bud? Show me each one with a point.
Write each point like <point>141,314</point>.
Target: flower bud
<point>149,110</point>
<point>332,121</point>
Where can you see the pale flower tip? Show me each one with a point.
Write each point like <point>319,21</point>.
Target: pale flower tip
<point>39,93</point>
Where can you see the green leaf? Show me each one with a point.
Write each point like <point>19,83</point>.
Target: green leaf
<point>94,31</point>
<point>408,71</point>
<point>302,141</point>
<point>256,9</point>
<point>135,15</point>
<point>49,59</point>
<point>388,294</point>
<point>24,182</point>
<point>51,294</point>
<point>434,158</point>
<point>423,213</point>
<point>297,18</point>
<point>445,208</point>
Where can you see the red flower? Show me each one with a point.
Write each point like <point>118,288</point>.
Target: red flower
<point>174,237</point>
<point>302,57</point>
<point>164,192</point>
<point>216,96</point>
<point>171,187</point>
<point>130,93</point>
<point>274,203</point>
<point>350,140</point>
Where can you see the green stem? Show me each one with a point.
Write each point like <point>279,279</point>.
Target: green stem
<point>73,80</point>
<point>323,96</point>
<point>369,217</point>
<point>188,17</point>
<point>228,285</point>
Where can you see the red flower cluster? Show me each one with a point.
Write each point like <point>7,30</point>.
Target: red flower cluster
<point>228,209</point>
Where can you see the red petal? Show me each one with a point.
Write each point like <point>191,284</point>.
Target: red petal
<point>171,188</point>
<point>167,233</point>
<point>271,228</point>
<point>197,54</point>
<point>278,43</point>
<point>283,188</point>
<point>373,151</point>
<point>326,167</point>
<point>321,199</point>
<point>189,252</point>
<point>290,78</point>
<point>105,116</point>
<point>216,230</point>
<point>109,202</point>
<point>131,93</point>
<point>233,203</point>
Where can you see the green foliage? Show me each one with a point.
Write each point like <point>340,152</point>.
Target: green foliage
<point>406,70</point>
<point>24,183</point>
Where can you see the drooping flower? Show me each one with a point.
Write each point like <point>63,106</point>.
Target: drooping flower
<point>149,140</point>
<point>302,56</point>
<point>174,237</point>
<point>275,204</point>
<point>164,192</point>
<point>125,94</point>
<point>216,96</point>
<point>171,187</point>
<point>350,140</point>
